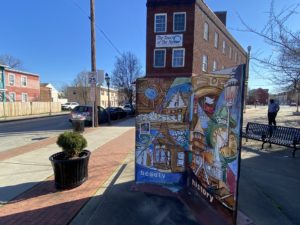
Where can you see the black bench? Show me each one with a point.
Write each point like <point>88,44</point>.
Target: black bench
<point>279,135</point>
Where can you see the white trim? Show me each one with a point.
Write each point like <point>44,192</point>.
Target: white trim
<point>230,52</point>
<point>179,13</point>
<point>23,93</point>
<point>166,22</point>
<point>224,47</point>
<point>178,49</point>
<point>206,64</point>
<point>214,65</point>
<point>216,40</point>
<point>15,95</point>
<point>204,36</point>
<point>22,82</point>
<point>160,49</point>
<point>14,75</point>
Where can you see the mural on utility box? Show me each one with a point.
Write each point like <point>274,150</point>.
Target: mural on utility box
<point>188,136</point>
<point>162,129</point>
<point>215,128</point>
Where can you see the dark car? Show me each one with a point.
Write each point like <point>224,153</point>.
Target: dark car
<point>129,109</point>
<point>85,113</point>
<point>116,113</point>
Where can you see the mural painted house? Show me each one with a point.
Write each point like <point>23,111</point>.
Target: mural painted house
<point>19,86</point>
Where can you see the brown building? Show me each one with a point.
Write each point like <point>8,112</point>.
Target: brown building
<point>185,38</point>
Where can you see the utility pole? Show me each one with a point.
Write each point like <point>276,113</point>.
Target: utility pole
<point>93,59</point>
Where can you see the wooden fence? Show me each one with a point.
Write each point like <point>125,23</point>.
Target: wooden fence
<point>11,109</point>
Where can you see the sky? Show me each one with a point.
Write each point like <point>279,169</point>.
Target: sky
<point>52,37</point>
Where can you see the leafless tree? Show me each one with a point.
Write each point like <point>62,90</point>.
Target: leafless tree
<point>81,87</point>
<point>127,70</point>
<point>11,61</point>
<point>284,60</point>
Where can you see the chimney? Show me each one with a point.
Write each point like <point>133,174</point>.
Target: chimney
<point>222,16</point>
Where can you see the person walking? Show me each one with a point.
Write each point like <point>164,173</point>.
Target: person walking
<point>272,112</point>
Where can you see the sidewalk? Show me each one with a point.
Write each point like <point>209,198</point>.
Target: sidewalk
<point>268,191</point>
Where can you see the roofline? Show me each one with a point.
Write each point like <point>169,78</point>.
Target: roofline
<point>18,71</point>
<point>218,23</point>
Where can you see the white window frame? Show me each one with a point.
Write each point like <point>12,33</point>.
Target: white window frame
<point>22,98</point>
<point>224,47</point>
<point>165,53</point>
<point>25,81</point>
<point>214,65</point>
<point>206,31</point>
<point>166,22</point>
<point>216,40</point>
<point>179,13</point>
<point>230,52</point>
<point>235,56</point>
<point>204,64</point>
<point>183,60</point>
<point>12,74</point>
<point>15,96</point>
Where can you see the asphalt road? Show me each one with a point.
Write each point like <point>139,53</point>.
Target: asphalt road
<point>18,133</point>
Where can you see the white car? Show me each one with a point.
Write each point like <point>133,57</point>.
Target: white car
<point>69,105</point>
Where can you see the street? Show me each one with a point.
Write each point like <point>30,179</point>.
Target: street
<point>18,133</point>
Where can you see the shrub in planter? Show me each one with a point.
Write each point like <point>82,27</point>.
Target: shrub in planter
<point>71,165</point>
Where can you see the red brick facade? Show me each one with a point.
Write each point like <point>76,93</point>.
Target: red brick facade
<point>197,13</point>
<point>30,85</point>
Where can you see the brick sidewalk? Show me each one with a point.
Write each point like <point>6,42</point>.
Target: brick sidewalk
<point>45,205</point>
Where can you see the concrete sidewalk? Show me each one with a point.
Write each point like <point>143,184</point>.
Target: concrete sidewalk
<point>268,191</point>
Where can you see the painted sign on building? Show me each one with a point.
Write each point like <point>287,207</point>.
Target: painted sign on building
<point>170,40</point>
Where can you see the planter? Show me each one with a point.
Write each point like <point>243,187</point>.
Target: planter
<point>78,125</point>
<point>70,173</point>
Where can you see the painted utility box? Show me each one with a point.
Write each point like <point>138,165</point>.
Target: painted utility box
<point>188,138</point>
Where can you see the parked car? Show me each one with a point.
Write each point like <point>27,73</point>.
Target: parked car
<point>293,104</point>
<point>69,105</point>
<point>86,113</point>
<point>129,109</point>
<point>116,113</point>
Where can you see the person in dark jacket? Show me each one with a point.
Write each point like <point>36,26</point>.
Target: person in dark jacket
<point>272,112</point>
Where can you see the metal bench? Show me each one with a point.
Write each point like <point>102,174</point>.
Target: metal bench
<point>279,135</point>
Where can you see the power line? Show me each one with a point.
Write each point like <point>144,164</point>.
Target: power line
<point>98,28</point>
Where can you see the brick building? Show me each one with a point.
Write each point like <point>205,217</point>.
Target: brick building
<point>185,38</point>
<point>19,85</point>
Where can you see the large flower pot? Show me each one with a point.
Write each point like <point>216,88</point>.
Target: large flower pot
<point>70,173</point>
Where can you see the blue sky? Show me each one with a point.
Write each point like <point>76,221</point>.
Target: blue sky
<point>52,37</point>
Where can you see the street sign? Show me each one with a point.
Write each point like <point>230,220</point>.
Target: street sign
<point>92,78</point>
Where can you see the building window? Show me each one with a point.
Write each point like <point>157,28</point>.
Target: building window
<point>214,65</point>
<point>179,19</point>
<point>224,47</point>
<point>102,93</point>
<point>24,81</point>
<point>159,58</point>
<point>230,52</point>
<point>178,57</point>
<point>206,31</point>
<point>235,56</point>
<point>160,23</point>
<point>216,42</point>
<point>12,96</point>
<point>204,63</point>
<point>11,79</point>
<point>24,97</point>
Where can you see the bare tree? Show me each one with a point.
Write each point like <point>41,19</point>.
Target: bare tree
<point>11,61</point>
<point>127,70</point>
<point>284,61</point>
<point>81,87</point>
